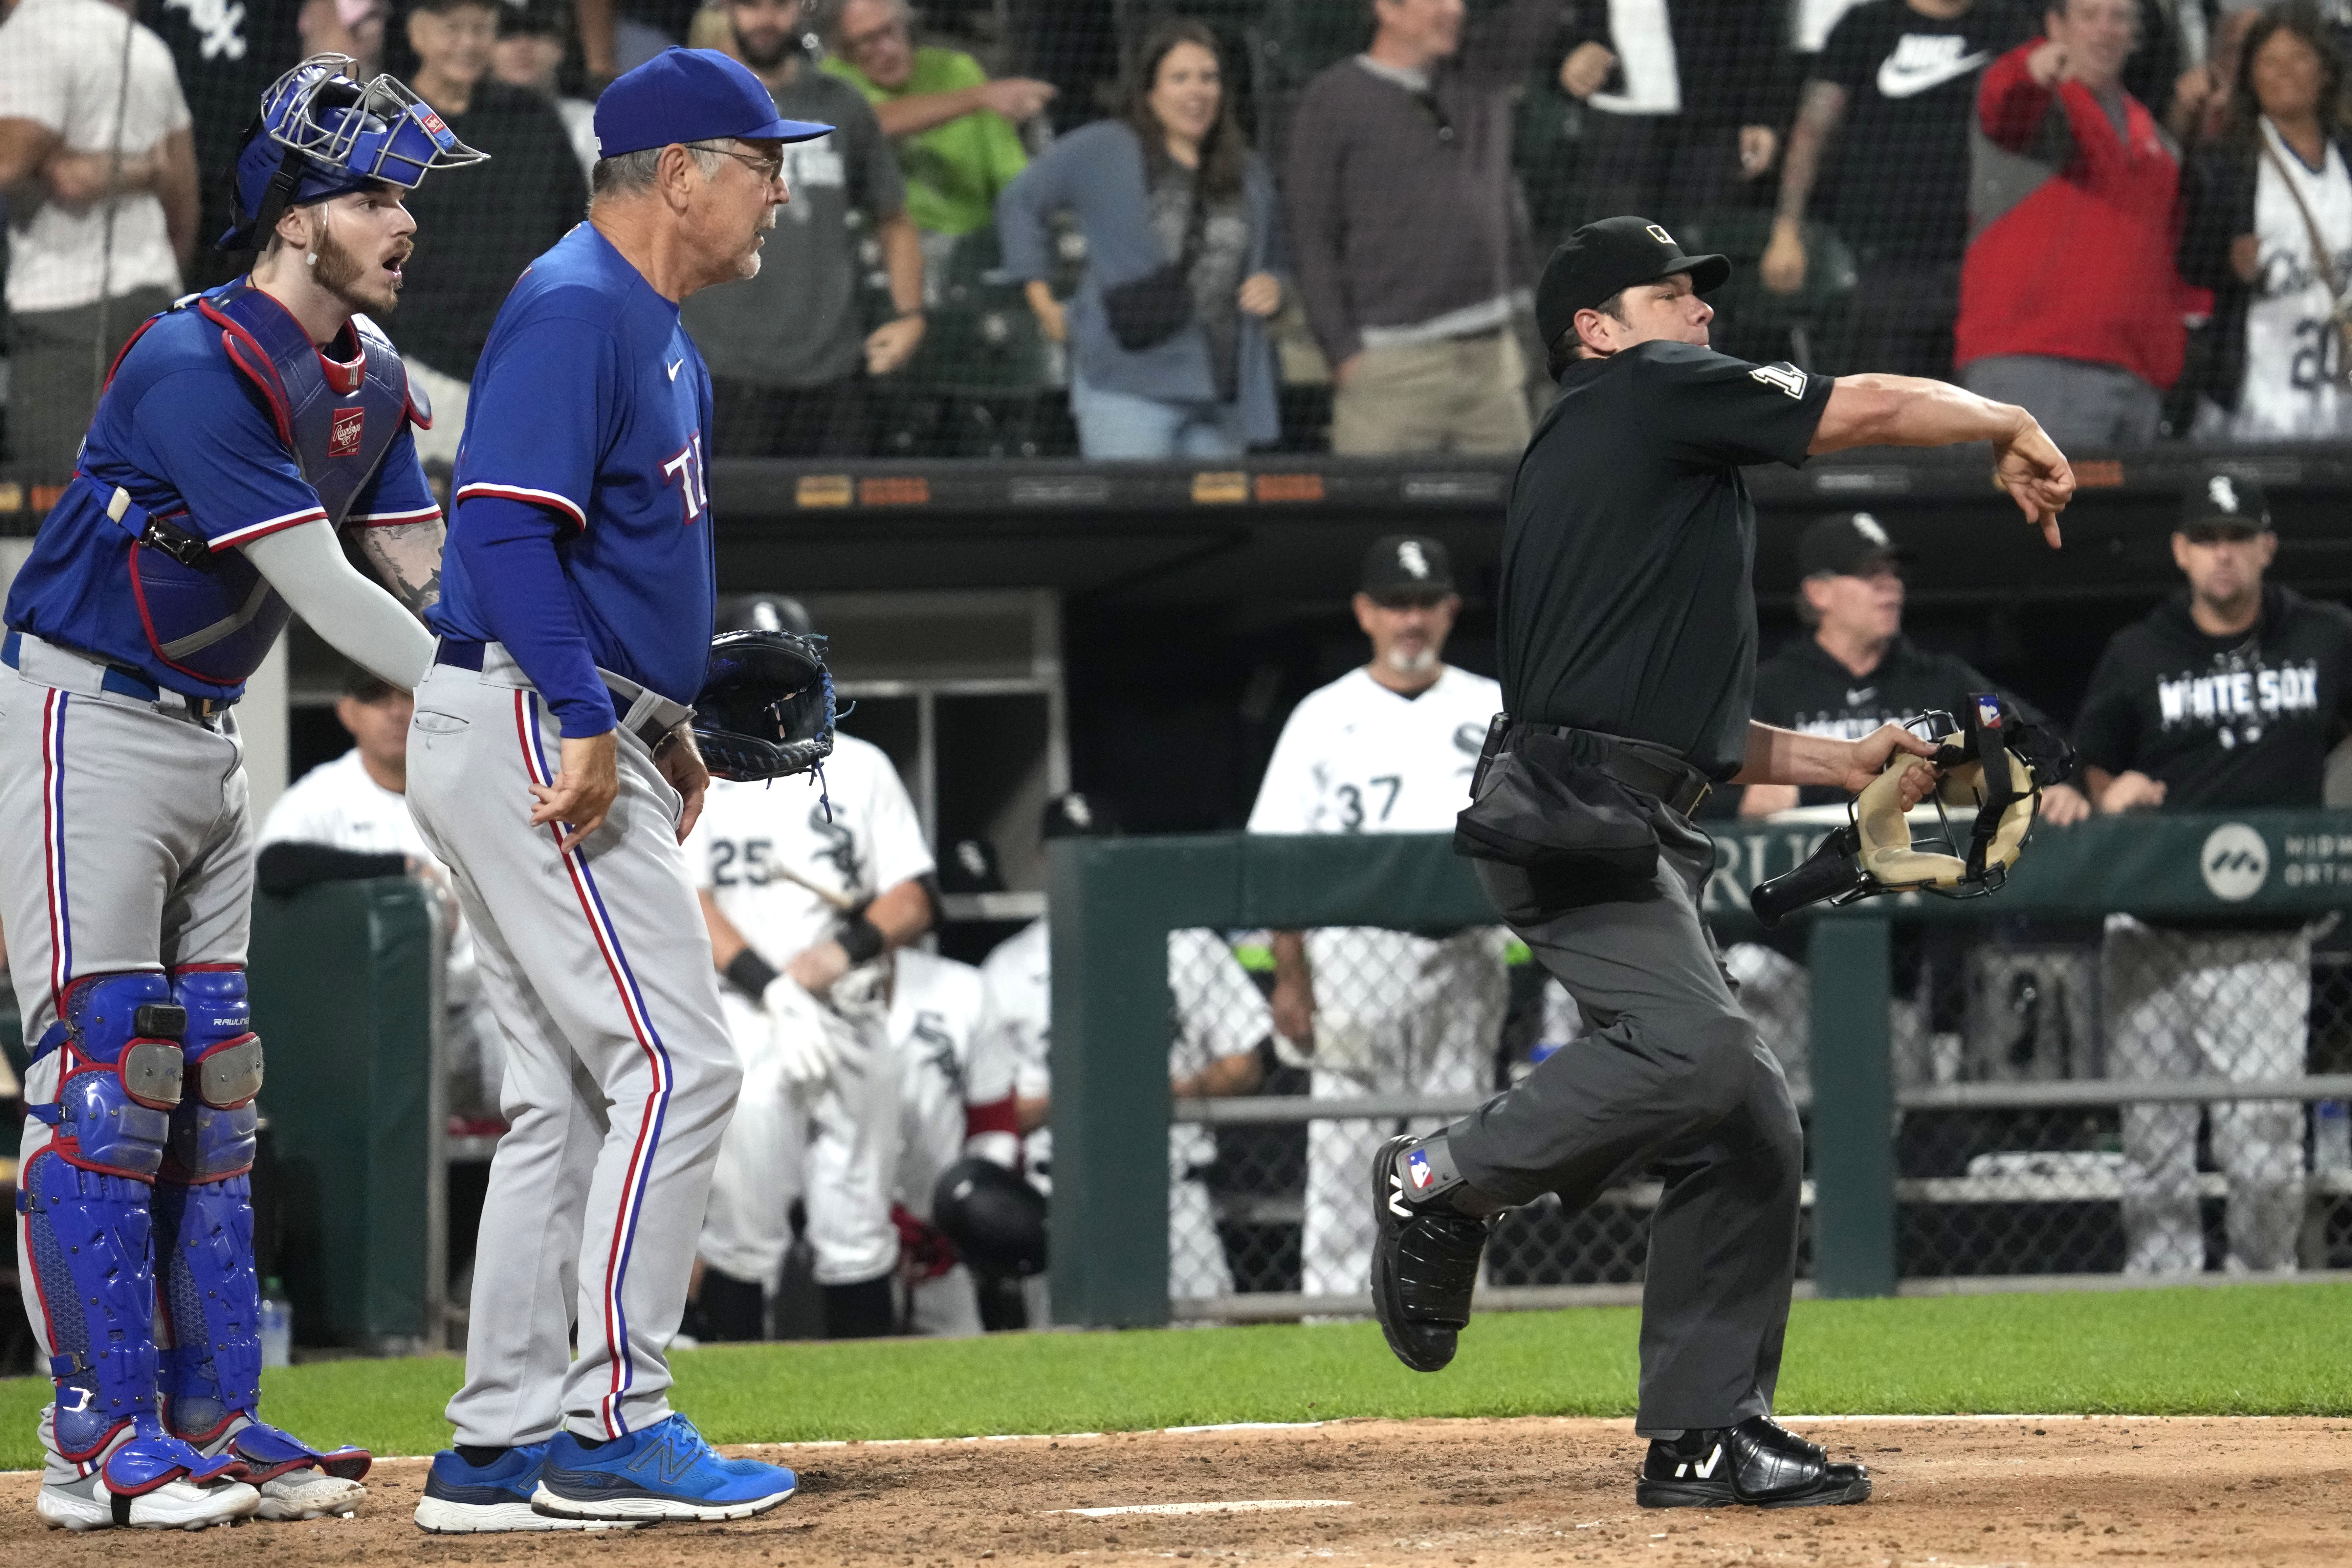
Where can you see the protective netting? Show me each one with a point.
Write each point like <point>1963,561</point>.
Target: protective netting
<point>1827,149</point>
<point>2054,1085</point>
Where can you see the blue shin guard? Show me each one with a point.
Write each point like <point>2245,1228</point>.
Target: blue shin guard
<point>86,1197</point>
<point>211,1366</point>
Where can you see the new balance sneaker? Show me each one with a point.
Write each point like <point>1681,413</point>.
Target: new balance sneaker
<point>665,1471</point>
<point>1425,1260</point>
<point>473,1499</point>
<point>1758,1464</point>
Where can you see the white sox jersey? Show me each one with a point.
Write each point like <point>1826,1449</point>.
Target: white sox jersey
<point>1355,757</point>
<point>871,843</point>
<point>939,1009</point>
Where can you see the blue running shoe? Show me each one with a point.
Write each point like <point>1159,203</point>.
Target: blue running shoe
<point>466,1500</point>
<point>665,1471</point>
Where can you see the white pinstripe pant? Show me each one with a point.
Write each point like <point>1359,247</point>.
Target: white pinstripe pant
<point>620,1076</point>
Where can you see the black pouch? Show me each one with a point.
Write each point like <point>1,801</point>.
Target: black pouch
<point>1541,804</point>
<point>1146,311</point>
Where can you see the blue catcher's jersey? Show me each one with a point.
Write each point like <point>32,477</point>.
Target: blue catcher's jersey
<point>590,402</point>
<point>208,446</point>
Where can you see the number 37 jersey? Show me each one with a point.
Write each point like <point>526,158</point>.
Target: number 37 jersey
<point>1355,757</point>
<point>752,835</point>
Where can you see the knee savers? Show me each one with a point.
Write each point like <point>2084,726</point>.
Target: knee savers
<point>213,1129</point>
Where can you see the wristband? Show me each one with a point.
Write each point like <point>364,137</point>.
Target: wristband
<point>751,974</point>
<point>861,939</point>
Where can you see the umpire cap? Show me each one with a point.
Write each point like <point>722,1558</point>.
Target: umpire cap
<point>764,613</point>
<point>996,1219</point>
<point>2218,505</point>
<point>1602,259</point>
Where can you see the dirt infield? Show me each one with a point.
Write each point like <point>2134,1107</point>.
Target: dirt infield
<point>1949,1492</point>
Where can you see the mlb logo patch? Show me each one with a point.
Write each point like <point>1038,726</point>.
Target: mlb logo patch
<point>344,433</point>
<point>1416,1165</point>
<point>1988,711</point>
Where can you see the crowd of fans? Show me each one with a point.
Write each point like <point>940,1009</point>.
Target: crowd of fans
<point>2133,216</point>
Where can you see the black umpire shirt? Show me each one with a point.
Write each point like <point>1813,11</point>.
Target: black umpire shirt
<point>1626,602</point>
<point>1801,687</point>
<point>2224,723</point>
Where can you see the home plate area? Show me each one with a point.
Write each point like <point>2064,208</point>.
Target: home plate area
<point>1951,1492</point>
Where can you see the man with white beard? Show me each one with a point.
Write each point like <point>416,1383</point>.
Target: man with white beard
<point>1387,747</point>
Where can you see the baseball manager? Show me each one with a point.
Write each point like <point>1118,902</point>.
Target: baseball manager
<point>1628,644</point>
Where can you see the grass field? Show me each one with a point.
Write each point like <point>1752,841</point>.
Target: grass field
<point>2259,1350</point>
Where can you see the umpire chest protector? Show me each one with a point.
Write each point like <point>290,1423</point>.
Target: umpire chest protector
<point>209,613</point>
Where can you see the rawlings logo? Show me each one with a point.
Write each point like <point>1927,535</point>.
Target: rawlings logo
<point>344,435</point>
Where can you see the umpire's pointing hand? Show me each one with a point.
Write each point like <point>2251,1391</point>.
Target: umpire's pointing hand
<point>2030,467</point>
<point>583,788</point>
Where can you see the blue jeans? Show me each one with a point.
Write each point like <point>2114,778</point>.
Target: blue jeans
<point>1123,424</point>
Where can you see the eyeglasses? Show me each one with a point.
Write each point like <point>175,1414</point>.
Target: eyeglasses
<point>769,169</point>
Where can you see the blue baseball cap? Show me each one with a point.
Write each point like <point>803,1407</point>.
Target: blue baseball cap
<point>691,95</point>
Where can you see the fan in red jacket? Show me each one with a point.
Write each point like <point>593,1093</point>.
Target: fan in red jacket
<point>2069,302</point>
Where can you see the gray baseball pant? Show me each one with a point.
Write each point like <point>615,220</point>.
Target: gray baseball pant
<point>620,1076</point>
<point>1671,1078</point>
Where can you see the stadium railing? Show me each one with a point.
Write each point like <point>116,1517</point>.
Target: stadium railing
<point>1952,1060</point>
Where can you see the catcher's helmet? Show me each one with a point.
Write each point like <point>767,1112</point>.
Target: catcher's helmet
<point>320,133</point>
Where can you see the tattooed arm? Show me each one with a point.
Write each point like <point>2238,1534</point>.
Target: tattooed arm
<point>406,558</point>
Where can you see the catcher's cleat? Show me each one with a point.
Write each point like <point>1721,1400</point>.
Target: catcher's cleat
<point>1424,1263</point>
<point>296,1480</point>
<point>1756,1464</point>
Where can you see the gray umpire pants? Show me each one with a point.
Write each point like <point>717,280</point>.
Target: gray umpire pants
<point>1673,1078</point>
<point>620,1076</point>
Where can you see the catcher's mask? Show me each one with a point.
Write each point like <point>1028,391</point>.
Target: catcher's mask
<point>1991,765</point>
<point>321,133</point>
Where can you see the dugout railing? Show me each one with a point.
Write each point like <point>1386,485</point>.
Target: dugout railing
<point>1966,1127</point>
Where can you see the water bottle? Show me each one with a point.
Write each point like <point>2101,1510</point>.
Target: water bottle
<point>276,1326</point>
<point>2331,1135</point>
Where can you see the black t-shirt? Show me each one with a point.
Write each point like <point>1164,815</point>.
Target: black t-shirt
<point>478,227</point>
<point>1626,602</point>
<point>1898,188</point>
<point>226,57</point>
<point>1802,687</point>
<point>2224,723</point>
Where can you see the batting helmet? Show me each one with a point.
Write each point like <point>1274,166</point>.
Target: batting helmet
<point>321,133</point>
<point>996,1219</point>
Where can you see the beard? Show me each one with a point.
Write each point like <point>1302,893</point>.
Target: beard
<point>342,274</point>
<point>1411,661</point>
<point>767,53</point>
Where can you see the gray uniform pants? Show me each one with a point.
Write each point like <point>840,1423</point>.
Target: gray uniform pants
<point>126,845</point>
<point>1671,1078</point>
<point>620,1077</point>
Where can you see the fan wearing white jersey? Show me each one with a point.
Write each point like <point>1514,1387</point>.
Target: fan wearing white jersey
<point>1387,747</point>
<point>1219,1044</point>
<point>938,1013</point>
<point>349,818</point>
<point>803,890</point>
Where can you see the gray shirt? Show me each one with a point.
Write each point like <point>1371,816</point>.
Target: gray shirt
<point>1218,268</point>
<point>798,323</point>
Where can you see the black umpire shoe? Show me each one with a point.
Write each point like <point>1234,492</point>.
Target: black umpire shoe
<point>1758,1464</point>
<point>1424,1264</point>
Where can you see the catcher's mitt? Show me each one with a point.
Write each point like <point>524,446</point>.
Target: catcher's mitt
<point>1992,765</point>
<point>766,707</point>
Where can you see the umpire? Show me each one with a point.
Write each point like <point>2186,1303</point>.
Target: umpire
<point>1628,644</point>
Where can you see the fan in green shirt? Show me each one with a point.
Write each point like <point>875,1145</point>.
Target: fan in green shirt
<point>952,126</point>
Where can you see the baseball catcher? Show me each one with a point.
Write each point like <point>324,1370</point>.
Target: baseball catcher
<point>766,707</point>
<point>1996,766</point>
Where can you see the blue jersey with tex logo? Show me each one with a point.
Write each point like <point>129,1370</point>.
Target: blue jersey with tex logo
<point>581,533</point>
<point>193,442</point>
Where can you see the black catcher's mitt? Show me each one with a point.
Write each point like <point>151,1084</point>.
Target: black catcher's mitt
<point>766,707</point>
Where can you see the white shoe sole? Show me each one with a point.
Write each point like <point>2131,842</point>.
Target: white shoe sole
<point>305,1494</point>
<point>175,1505</point>
<point>650,1510</point>
<point>438,1516</point>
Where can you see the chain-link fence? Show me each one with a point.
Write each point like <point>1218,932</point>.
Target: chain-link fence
<point>2150,1099</point>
